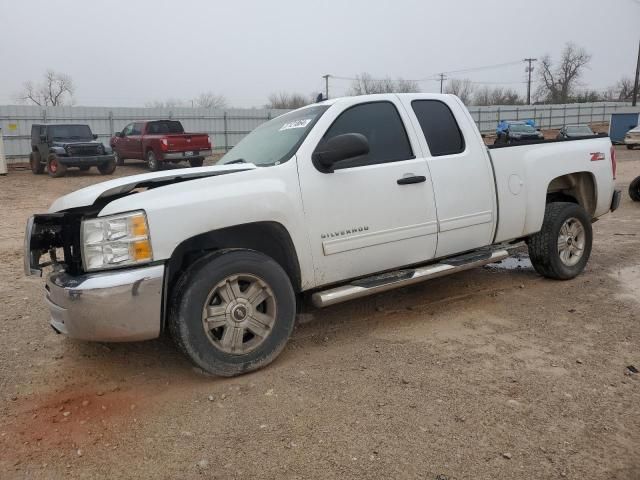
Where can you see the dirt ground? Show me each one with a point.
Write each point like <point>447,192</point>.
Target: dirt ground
<point>495,373</point>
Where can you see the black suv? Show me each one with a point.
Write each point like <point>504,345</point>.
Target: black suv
<point>62,145</point>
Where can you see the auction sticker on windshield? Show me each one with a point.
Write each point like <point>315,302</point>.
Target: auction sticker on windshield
<point>296,124</point>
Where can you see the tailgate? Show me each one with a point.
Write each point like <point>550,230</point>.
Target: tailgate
<point>188,142</point>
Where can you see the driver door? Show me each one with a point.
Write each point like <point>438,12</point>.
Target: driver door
<point>374,212</point>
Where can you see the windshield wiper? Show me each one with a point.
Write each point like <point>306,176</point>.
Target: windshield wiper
<point>237,160</point>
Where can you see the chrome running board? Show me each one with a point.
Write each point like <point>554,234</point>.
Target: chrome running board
<point>402,278</point>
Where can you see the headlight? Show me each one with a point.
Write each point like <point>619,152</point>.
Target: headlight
<point>101,149</point>
<point>115,241</point>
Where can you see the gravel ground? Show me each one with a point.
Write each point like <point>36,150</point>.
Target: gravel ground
<point>495,373</point>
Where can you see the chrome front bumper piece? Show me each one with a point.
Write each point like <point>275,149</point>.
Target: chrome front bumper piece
<point>113,306</point>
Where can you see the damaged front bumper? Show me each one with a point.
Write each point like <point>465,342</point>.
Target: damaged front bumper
<point>115,306</point>
<point>109,306</point>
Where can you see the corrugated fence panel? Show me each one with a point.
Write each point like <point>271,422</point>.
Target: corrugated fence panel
<point>227,127</point>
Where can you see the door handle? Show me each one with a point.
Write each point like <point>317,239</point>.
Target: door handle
<point>412,179</point>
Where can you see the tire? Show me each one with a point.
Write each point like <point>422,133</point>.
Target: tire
<point>55,168</point>
<point>196,162</point>
<point>107,168</point>
<point>118,158</point>
<point>239,272</point>
<point>37,167</point>
<point>634,189</point>
<point>629,147</point>
<point>85,168</point>
<point>566,224</point>
<point>152,162</point>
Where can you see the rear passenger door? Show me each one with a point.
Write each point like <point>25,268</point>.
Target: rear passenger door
<point>461,172</point>
<point>375,212</point>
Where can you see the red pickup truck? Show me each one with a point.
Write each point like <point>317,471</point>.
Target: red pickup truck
<point>159,141</point>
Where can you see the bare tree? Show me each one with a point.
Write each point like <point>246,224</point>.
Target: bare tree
<point>55,89</point>
<point>622,91</point>
<point>406,86</point>
<point>210,100</point>
<point>497,96</point>
<point>461,87</point>
<point>286,100</point>
<point>559,83</point>
<point>365,84</point>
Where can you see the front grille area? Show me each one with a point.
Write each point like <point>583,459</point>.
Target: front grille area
<point>57,231</point>
<point>83,150</point>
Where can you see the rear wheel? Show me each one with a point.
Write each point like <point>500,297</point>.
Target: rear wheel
<point>107,168</point>
<point>118,158</point>
<point>232,312</point>
<point>629,147</point>
<point>55,168</point>
<point>562,247</point>
<point>37,167</point>
<point>152,161</point>
<point>196,162</point>
<point>634,189</point>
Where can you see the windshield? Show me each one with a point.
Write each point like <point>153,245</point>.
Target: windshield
<point>521,128</point>
<point>164,126</point>
<point>277,140</point>
<point>76,132</point>
<point>581,130</point>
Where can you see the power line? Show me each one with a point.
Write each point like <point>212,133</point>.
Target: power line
<point>436,76</point>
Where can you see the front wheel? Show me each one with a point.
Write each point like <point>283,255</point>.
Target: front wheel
<point>55,168</point>
<point>562,247</point>
<point>152,161</point>
<point>37,167</point>
<point>107,168</point>
<point>232,312</point>
<point>634,189</point>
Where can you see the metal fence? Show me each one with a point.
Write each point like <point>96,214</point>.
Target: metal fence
<point>227,127</point>
<point>549,116</point>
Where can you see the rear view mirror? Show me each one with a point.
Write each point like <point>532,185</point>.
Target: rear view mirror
<point>339,148</point>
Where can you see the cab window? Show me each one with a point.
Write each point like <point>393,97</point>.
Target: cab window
<point>380,122</point>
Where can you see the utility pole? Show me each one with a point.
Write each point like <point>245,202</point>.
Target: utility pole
<point>326,86</point>
<point>635,85</point>
<point>443,77</point>
<point>529,69</point>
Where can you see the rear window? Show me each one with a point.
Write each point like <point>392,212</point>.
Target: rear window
<point>164,126</point>
<point>439,126</point>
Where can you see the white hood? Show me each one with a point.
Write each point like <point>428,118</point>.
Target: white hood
<point>88,195</point>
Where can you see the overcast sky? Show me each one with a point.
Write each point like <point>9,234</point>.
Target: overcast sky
<point>127,53</point>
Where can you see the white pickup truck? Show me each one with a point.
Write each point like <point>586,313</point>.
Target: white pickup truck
<point>338,200</point>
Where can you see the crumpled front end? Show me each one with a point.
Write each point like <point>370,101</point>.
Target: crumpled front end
<point>108,306</point>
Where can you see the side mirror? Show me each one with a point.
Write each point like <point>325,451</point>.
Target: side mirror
<point>43,138</point>
<point>339,148</point>
<point>117,134</point>
<point>95,136</point>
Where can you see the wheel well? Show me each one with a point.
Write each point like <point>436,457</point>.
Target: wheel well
<point>270,238</point>
<point>576,188</point>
